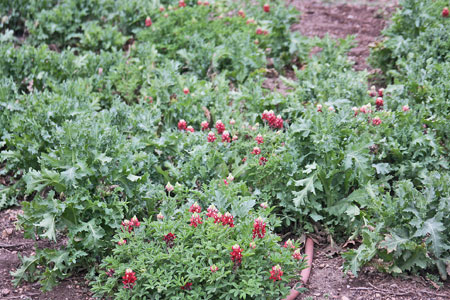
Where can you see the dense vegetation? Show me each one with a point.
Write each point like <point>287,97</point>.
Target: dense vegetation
<point>103,107</point>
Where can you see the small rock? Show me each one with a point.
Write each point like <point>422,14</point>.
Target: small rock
<point>317,294</point>
<point>5,292</point>
<point>345,298</point>
<point>377,295</point>
<point>322,266</point>
<point>9,231</point>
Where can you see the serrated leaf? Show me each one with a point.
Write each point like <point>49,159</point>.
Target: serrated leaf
<point>382,168</point>
<point>302,195</point>
<point>391,242</point>
<point>48,223</point>
<point>353,211</point>
<point>434,228</point>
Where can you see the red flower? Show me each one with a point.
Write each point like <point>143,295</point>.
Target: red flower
<point>169,187</point>
<point>212,211</point>
<point>276,273</point>
<point>122,242</point>
<point>187,286</point>
<point>160,216</point>
<point>376,121</point>
<point>129,279</point>
<point>405,108</point>
<point>266,8</point>
<point>227,219</point>
<point>135,222</point>
<point>217,217</point>
<point>110,272</point>
<point>241,13</point>
<point>274,121</point>
<point>252,245</point>
<point>195,220</point>
<point>181,3</point>
<point>380,92</point>
<point>186,91</point>
<point>204,125</point>
<point>262,160</point>
<point>195,208</point>
<point>225,182</point>
<point>379,102</point>
<point>169,238</point>
<point>297,255</point>
<point>214,268</point>
<point>244,159</point>
<point>264,205</point>
<point>445,12</point>
<point>148,22</point>
<point>190,129</point>
<point>256,151</point>
<point>226,137</point>
<point>182,125</point>
<point>355,110</point>
<point>259,31</point>
<point>161,8</point>
<point>259,139</point>
<point>211,137</point>
<point>259,228</point>
<point>220,127</point>
<point>289,244</point>
<point>319,107</point>
<point>236,254</point>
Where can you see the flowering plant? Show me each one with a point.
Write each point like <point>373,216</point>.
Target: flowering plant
<point>171,259</point>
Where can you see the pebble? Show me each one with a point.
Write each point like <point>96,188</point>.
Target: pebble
<point>322,266</point>
<point>317,294</point>
<point>5,292</point>
<point>9,231</point>
<point>377,295</point>
<point>345,298</point>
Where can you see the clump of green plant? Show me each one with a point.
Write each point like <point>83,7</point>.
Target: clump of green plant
<point>200,255</point>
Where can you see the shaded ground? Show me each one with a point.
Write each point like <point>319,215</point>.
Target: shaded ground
<point>12,243</point>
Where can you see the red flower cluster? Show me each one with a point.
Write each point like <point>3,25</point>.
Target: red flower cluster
<point>274,121</point>
<point>186,91</point>
<point>181,3</point>
<point>122,242</point>
<point>297,255</point>
<point>148,22</point>
<point>129,279</point>
<point>256,151</point>
<point>220,127</point>
<point>169,238</point>
<point>211,211</point>
<point>195,208</point>
<point>213,268</point>
<point>187,286</point>
<point>195,220</point>
<point>227,219</point>
<point>204,125</point>
<point>110,272</point>
<point>405,108</point>
<point>276,273</point>
<point>259,228</point>
<point>182,125</point>
<point>259,139</point>
<point>262,160</point>
<point>379,103</point>
<point>236,254</point>
<point>241,13</point>
<point>376,121</point>
<point>266,8</point>
<point>190,129</point>
<point>226,138</point>
<point>211,137</point>
<point>289,244</point>
<point>134,222</point>
<point>445,12</point>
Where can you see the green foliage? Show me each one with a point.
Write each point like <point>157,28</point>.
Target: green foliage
<point>163,268</point>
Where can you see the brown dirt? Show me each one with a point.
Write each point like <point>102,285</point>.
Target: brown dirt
<point>12,242</point>
<point>365,19</point>
<point>327,281</point>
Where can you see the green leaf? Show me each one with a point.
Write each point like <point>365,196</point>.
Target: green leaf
<point>433,228</point>
<point>392,241</point>
<point>382,168</point>
<point>48,223</point>
<point>133,178</point>
<point>302,195</point>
